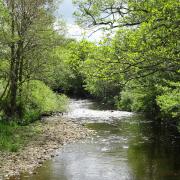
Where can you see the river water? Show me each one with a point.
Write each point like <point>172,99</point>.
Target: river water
<point>126,146</point>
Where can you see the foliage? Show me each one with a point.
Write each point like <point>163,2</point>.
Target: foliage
<point>169,101</point>
<point>137,69</point>
<point>39,99</point>
<point>138,98</point>
<point>57,73</point>
<point>78,52</point>
<point>140,60</point>
<point>27,35</point>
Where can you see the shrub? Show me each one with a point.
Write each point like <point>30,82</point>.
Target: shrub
<point>169,104</point>
<point>131,100</point>
<point>39,98</point>
<point>139,99</point>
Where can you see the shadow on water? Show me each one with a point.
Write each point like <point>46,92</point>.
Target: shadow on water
<point>124,147</point>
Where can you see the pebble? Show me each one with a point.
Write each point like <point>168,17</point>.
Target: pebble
<point>56,132</point>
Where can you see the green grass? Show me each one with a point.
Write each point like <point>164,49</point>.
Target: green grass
<point>13,137</point>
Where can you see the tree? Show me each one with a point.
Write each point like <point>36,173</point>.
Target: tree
<point>27,35</point>
<point>144,52</point>
<point>154,29</point>
<point>111,13</point>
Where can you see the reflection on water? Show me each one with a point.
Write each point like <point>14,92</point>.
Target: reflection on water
<point>125,147</point>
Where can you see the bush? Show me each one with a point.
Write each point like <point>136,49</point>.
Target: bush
<point>169,104</point>
<point>139,99</point>
<point>131,101</point>
<point>36,99</point>
<point>162,101</point>
<point>39,98</point>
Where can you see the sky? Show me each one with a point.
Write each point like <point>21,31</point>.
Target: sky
<point>66,10</point>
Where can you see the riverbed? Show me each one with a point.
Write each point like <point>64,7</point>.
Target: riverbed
<point>125,146</point>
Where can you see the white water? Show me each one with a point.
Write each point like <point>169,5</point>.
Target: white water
<point>79,110</point>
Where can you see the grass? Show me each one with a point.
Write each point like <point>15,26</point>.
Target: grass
<point>13,137</point>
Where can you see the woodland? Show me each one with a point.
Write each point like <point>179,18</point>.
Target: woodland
<point>135,67</point>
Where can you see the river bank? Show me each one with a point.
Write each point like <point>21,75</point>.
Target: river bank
<point>53,133</point>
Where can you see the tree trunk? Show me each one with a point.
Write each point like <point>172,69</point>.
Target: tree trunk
<point>20,77</point>
<point>12,107</point>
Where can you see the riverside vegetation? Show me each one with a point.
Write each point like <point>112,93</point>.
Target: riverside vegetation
<point>27,44</point>
<point>136,67</point>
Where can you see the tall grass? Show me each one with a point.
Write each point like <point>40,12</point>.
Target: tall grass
<point>13,136</point>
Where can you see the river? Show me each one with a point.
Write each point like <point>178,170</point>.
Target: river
<point>126,146</point>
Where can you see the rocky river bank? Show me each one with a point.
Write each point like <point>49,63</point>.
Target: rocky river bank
<point>54,133</point>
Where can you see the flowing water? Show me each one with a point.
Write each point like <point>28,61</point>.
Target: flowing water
<point>125,147</point>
